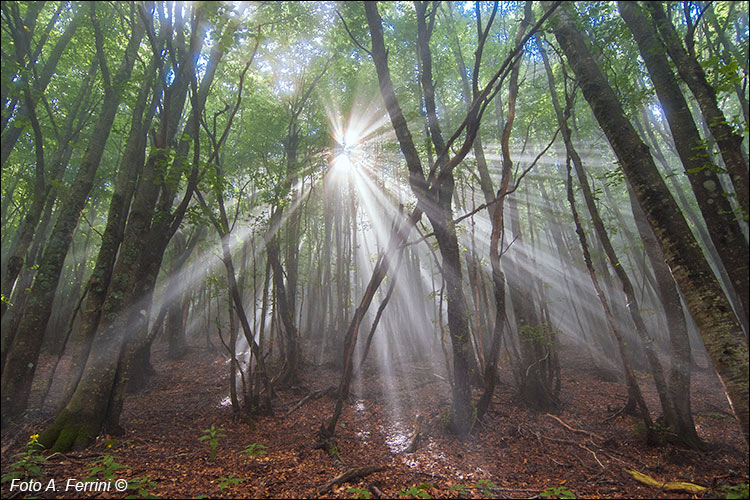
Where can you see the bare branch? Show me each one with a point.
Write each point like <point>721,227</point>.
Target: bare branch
<point>356,42</point>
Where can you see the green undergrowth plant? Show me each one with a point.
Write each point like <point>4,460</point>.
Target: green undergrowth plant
<point>418,491</point>
<point>484,486</point>
<point>557,492</point>
<point>212,436</point>
<point>254,450</point>
<point>360,493</point>
<point>735,492</point>
<point>110,442</point>
<point>230,480</point>
<point>103,469</point>
<point>463,490</point>
<point>28,463</point>
<point>542,334</point>
<point>140,487</point>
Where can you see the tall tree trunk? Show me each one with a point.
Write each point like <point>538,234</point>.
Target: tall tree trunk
<point>131,166</point>
<point>723,227</point>
<point>679,373</point>
<point>690,70</point>
<point>635,396</point>
<point>719,327</point>
<point>21,359</point>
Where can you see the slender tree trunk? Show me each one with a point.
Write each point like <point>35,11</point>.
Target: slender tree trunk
<point>679,373</point>
<point>634,391</point>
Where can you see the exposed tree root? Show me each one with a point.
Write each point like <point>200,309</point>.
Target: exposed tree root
<point>69,431</point>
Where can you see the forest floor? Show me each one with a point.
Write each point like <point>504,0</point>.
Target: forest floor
<point>515,452</point>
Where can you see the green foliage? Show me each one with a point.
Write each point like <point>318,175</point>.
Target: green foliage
<point>557,492</point>
<point>229,480</point>
<point>485,486</point>
<point>255,450</point>
<point>141,487</point>
<point>614,177</point>
<point>541,334</point>
<point>103,469</point>
<point>724,72</point>
<point>111,442</point>
<point>359,493</point>
<point>418,491</point>
<point>212,436</point>
<point>735,492</point>
<point>462,489</point>
<point>333,450</point>
<point>28,463</point>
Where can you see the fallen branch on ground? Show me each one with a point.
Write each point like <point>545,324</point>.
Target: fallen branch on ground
<point>349,475</point>
<point>669,486</point>
<point>312,395</point>
<point>377,492</point>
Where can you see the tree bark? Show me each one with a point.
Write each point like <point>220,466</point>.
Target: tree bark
<point>723,227</point>
<point>720,329</point>
<point>729,141</point>
<point>24,351</point>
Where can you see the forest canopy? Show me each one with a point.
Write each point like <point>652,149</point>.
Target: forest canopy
<point>493,192</point>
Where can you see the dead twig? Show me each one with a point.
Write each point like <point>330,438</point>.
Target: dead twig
<point>539,437</point>
<point>376,492</point>
<point>577,431</point>
<point>559,463</point>
<point>616,414</point>
<point>514,490</point>
<point>581,445</point>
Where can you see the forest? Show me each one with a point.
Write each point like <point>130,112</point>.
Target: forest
<point>375,249</point>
